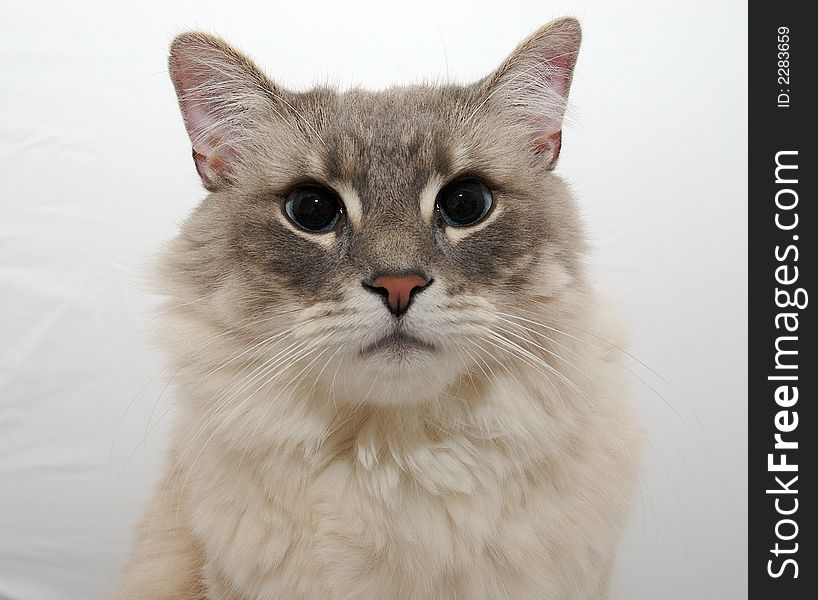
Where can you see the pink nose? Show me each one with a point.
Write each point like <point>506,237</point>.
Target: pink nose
<point>398,290</point>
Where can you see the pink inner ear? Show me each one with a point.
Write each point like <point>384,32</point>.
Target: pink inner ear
<point>560,63</point>
<point>212,151</point>
<point>205,131</point>
<point>549,146</point>
<point>556,63</point>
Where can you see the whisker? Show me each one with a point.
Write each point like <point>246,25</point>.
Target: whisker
<point>647,384</point>
<point>243,383</point>
<point>641,404</point>
<point>229,416</point>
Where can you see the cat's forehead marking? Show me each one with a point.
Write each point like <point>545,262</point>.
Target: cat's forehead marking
<point>428,197</point>
<point>386,145</point>
<point>459,158</point>
<point>352,202</point>
<point>313,160</point>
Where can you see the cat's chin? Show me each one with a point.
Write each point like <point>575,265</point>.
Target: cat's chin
<point>399,372</point>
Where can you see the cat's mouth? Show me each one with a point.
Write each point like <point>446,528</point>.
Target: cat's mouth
<point>398,343</point>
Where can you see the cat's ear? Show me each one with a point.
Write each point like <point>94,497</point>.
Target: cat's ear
<point>531,86</point>
<point>223,96</point>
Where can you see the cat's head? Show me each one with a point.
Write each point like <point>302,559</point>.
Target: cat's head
<point>378,240</point>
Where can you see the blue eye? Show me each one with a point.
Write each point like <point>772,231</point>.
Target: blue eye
<point>464,202</point>
<point>313,208</point>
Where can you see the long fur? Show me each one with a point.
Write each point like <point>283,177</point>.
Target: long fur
<point>499,466</point>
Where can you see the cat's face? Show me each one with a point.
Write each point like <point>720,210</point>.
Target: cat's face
<point>380,235</point>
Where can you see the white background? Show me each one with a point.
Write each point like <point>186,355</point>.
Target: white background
<point>95,171</point>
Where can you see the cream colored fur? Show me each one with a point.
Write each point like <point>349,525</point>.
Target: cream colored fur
<point>510,488</point>
<point>498,467</point>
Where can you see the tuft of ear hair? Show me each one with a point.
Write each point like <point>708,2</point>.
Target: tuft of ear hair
<point>531,86</point>
<point>223,97</point>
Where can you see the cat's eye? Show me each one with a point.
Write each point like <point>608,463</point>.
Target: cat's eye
<point>314,208</point>
<point>464,202</point>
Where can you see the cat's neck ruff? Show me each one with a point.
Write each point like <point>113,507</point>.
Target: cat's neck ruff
<point>490,426</point>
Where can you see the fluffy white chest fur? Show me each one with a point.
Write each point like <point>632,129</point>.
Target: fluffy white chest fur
<point>510,489</point>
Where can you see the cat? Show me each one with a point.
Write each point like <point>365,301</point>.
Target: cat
<point>396,379</point>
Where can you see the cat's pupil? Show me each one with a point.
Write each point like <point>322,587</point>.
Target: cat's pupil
<point>464,203</point>
<point>463,206</point>
<point>313,208</point>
